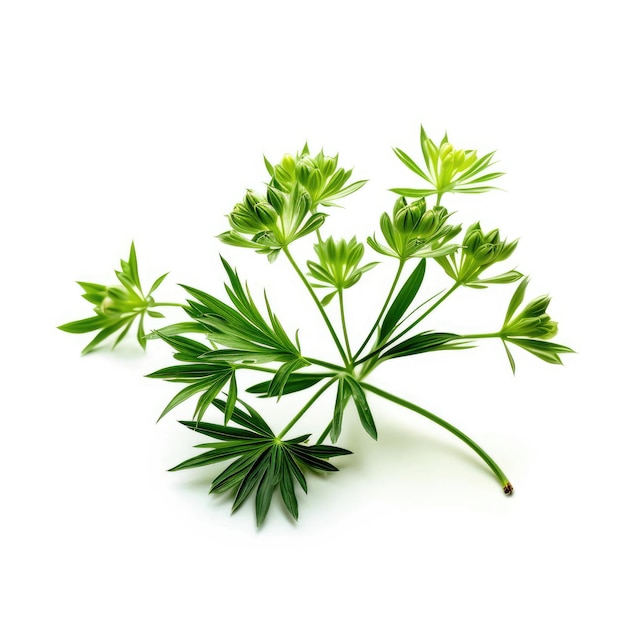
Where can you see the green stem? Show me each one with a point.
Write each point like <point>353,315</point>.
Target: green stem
<point>167,305</point>
<point>320,307</point>
<point>413,324</point>
<point>504,481</point>
<point>325,433</point>
<point>304,409</point>
<point>382,311</point>
<point>478,336</point>
<point>325,364</point>
<point>343,324</point>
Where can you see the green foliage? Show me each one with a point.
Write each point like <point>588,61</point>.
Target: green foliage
<point>531,328</point>
<point>479,251</point>
<point>338,267</point>
<point>263,461</point>
<point>414,231</point>
<point>117,308</point>
<point>225,337</point>
<point>447,169</point>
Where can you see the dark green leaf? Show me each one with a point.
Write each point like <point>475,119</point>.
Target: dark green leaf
<point>426,342</point>
<point>403,299</point>
<point>365,415</point>
<point>295,383</point>
<point>340,404</point>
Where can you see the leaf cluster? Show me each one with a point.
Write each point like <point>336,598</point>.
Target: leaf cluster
<point>116,308</point>
<point>447,169</point>
<point>262,461</point>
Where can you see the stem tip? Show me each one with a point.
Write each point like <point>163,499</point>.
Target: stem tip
<point>508,488</point>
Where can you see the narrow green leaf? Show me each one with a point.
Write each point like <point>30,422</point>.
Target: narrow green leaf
<point>426,342</point>
<point>252,478</point>
<point>340,404</point>
<point>516,300</point>
<point>86,325</point>
<point>231,399</point>
<point>157,283</point>
<point>509,356</point>
<point>105,333</point>
<point>410,163</point>
<point>281,377</point>
<point>287,491</point>
<point>365,415</point>
<point>132,263</point>
<point>295,383</point>
<point>403,299</point>
<point>414,192</point>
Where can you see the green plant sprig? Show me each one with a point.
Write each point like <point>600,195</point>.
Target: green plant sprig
<point>237,333</point>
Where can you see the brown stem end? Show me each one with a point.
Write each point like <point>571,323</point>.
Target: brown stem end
<point>508,489</point>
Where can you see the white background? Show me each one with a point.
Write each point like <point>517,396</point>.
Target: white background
<point>147,121</point>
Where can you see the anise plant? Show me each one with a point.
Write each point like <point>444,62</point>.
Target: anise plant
<point>226,335</point>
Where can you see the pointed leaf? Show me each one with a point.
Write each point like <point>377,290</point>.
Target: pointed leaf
<point>403,299</point>
<point>365,415</point>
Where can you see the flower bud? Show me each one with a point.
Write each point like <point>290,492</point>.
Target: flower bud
<point>407,218</point>
<point>473,239</point>
<point>314,183</point>
<point>252,198</point>
<point>428,224</point>
<point>459,158</point>
<point>445,150</point>
<point>289,164</point>
<point>276,199</point>
<point>329,165</point>
<point>536,307</point>
<point>303,171</point>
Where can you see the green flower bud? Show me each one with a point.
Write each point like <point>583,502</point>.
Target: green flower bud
<point>428,225</point>
<point>329,165</point>
<point>473,239</point>
<point>252,198</point>
<point>407,218</point>
<point>276,199</point>
<point>446,150</point>
<point>288,164</point>
<point>314,183</point>
<point>537,307</point>
<point>303,171</point>
<point>459,159</point>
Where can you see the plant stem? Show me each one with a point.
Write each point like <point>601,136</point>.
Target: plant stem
<point>325,433</point>
<point>413,324</point>
<point>306,407</point>
<point>167,305</point>
<point>478,336</point>
<point>384,308</point>
<point>343,324</point>
<point>504,481</point>
<point>325,364</point>
<point>346,361</point>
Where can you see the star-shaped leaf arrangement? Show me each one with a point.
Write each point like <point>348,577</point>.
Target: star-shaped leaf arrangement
<point>117,308</point>
<point>263,461</point>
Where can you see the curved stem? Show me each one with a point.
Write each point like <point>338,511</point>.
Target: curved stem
<point>304,409</point>
<point>167,305</point>
<point>504,481</point>
<point>382,311</point>
<point>343,324</point>
<point>320,307</point>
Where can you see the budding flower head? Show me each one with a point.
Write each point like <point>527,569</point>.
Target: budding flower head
<point>407,217</point>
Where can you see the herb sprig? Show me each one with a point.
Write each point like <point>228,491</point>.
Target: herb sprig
<point>236,333</point>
